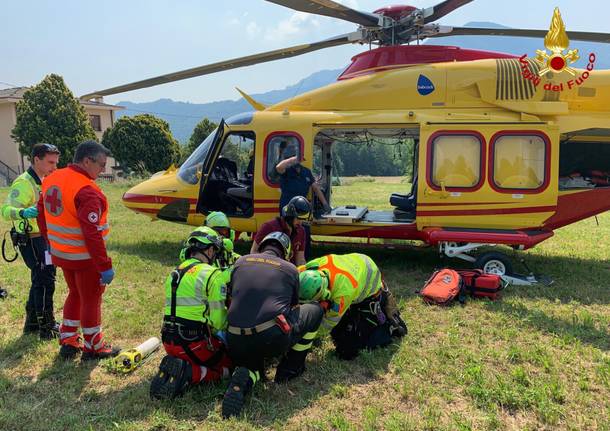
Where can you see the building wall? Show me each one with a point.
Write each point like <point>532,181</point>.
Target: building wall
<point>9,149</point>
<point>106,121</point>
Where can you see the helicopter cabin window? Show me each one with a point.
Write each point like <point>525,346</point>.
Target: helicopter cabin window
<point>280,147</point>
<point>190,171</point>
<point>229,187</point>
<point>455,161</point>
<point>519,162</point>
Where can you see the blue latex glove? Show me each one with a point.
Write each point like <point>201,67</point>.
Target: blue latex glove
<point>222,336</point>
<point>31,212</point>
<point>107,276</point>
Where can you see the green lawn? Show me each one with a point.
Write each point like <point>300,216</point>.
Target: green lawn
<point>537,359</point>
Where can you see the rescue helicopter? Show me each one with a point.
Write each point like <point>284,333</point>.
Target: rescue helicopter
<point>507,148</point>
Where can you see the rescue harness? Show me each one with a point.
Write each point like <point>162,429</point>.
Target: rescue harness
<point>182,332</point>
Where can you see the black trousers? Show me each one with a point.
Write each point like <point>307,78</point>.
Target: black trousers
<point>251,351</point>
<point>40,300</point>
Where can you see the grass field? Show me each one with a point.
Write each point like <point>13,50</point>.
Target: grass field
<point>537,359</point>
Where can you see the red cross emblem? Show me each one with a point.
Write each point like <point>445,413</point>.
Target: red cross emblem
<point>52,201</point>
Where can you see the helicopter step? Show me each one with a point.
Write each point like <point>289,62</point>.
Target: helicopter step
<point>493,262</point>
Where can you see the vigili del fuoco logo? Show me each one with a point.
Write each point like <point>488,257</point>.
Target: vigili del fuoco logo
<point>557,60</point>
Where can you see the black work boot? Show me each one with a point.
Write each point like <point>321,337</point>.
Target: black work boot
<point>31,324</point>
<point>70,347</point>
<point>292,365</point>
<point>48,327</point>
<point>172,380</point>
<point>235,396</point>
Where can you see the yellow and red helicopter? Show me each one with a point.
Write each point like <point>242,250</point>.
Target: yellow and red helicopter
<point>507,149</point>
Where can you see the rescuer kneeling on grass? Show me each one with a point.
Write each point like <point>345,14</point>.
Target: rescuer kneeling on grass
<point>265,319</point>
<point>360,311</point>
<point>73,216</point>
<point>219,221</point>
<point>195,316</point>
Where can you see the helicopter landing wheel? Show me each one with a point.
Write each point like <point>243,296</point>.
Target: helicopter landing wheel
<point>494,262</point>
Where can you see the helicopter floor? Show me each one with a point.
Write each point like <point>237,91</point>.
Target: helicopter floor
<point>386,217</point>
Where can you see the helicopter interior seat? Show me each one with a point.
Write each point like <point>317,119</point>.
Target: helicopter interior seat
<point>225,192</point>
<point>405,205</point>
<point>241,197</point>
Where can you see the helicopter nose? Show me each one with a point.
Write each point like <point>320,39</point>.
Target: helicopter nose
<point>168,208</point>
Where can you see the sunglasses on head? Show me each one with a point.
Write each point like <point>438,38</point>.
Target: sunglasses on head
<point>50,148</point>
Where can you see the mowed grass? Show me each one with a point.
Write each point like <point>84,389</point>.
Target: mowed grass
<point>537,359</point>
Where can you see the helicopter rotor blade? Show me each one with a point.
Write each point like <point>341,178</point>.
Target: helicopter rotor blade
<point>331,9</point>
<point>234,63</point>
<point>518,32</point>
<point>444,8</point>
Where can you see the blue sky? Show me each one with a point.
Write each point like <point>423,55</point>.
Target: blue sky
<point>96,45</point>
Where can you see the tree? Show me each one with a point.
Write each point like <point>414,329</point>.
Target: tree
<point>142,143</point>
<point>200,132</point>
<point>50,113</point>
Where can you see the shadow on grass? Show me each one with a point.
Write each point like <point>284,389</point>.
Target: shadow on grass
<point>58,388</point>
<point>584,281</point>
<point>268,404</point>
<point>14,351</point>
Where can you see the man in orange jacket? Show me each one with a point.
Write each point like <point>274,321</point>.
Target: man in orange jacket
<point>73,216</point>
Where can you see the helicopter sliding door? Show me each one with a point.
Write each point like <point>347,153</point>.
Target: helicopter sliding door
<point>487,176</point>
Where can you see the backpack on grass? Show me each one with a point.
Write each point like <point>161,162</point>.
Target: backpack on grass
<point>443,287</point>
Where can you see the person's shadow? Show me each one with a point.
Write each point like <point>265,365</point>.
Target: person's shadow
<point>268,403</point>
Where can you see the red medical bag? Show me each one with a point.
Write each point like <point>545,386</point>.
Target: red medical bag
<point>481,285</point>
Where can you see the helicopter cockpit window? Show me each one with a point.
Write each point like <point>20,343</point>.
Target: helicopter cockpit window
<point>190,171</point>
<point>456,161</point>
<point>519,162</point>
<point>280,147</point>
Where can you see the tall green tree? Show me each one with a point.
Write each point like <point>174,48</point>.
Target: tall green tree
<point>142,143</point>
<point>200,132</point>
<point>50,113</point>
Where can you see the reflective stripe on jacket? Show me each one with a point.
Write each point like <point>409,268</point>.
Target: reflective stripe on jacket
<point>352,278</point>
<point>201,295</point>
<point>64,231</point>
<point>24,193</point>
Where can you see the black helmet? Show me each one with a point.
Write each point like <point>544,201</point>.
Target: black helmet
<point>298,207</point>
<point>280,238</point>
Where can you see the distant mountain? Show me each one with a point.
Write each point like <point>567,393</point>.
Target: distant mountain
<point>183,116</point>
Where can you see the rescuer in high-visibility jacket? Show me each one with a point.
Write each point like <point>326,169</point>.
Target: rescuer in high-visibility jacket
<point>195,320</point>
<point>73,217</point>
<point>20,208</point>
<point>219,221</point>
<point>360,312</point>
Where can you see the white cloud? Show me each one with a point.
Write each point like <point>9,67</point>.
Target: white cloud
<point>298,22</point>
<point>253,29</point>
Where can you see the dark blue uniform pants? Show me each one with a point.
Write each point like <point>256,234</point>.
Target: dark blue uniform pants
<point>40,300</point>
